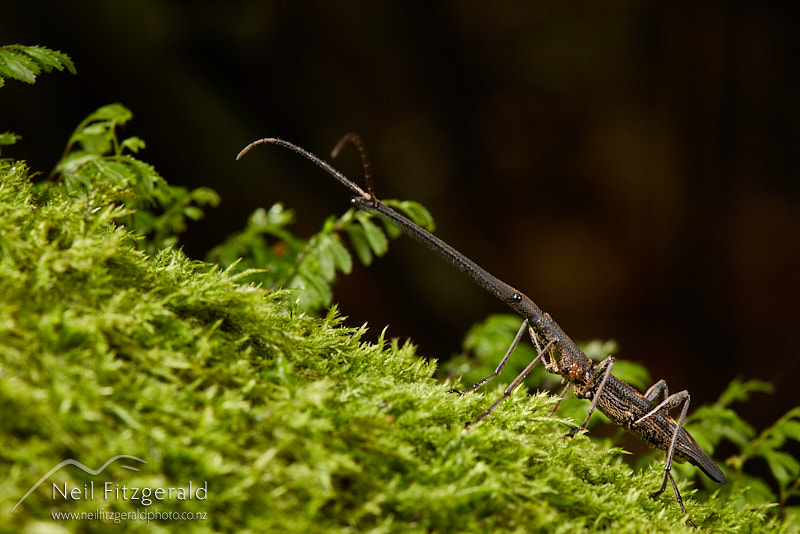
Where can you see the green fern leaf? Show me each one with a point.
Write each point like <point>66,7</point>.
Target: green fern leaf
<point>360,244</point>
<point>8,138</point>
<point>96,160</point>
<point>375,237</point>
<point>784,466</point>
<point>25,63</point>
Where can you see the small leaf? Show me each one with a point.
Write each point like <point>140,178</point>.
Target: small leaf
<point>360,244</point>
<point>739,391</point>
<point>341,258</point>
<point>784,466</point>
<point>116,113</point>
<point>322,252</point>
<point>18,66</point>
<point>134,144</point>
<point>49,59</point>
<point>316,292</point>
<point>8,138</point>
<point>375,237</point>
<point>113,170</point>
<point>791,429</point>
<point>414,211</point>
<point>205,196</point>
<point>717,423</point>
<point>193,212</point>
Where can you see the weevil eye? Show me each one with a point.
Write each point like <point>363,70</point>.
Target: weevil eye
<point>516,297</point>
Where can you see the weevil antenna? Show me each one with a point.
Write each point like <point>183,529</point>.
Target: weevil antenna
<point>324,165</point>
<point>362,152</point>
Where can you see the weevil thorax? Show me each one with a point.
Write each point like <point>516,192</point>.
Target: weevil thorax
<point>574,368</point>
<point>593,376</point>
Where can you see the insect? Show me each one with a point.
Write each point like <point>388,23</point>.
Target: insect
<point>641,414</point>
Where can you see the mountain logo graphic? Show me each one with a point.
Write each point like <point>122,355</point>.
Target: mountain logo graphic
<point>76,463</point>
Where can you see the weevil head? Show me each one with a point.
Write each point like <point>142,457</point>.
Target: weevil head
<point>520,303</point>
<point>515,300</point>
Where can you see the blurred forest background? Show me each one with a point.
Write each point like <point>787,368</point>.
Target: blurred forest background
<point>629,165</point>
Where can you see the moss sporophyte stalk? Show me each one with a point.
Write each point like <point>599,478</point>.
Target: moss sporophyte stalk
<point>237,376</point>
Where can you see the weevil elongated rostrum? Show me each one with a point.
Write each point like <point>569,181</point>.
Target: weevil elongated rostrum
<point>641,414</point>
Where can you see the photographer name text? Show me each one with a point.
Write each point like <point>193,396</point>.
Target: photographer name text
<point>144,496</point>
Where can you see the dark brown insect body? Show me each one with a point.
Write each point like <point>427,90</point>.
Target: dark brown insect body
<point>624,405</point>
<point>638,413</point>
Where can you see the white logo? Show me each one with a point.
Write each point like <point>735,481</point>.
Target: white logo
<point>76,463</point>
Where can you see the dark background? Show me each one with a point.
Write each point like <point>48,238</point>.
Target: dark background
<point>631,166</point>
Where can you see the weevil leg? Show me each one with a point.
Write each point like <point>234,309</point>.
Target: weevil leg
<point>652,393</point>
<point>502,363</point>
<point>512,386</point>
<point>538,344</point>
<point>678,498</point>
<point>667,404</point>
<point>561,397</point>
<point>605,366</point>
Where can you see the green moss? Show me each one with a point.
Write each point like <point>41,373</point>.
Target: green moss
<point>295,424</point>
<point>112,342</point>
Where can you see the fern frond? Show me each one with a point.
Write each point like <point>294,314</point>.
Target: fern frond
<point>95,159</point>
<point>309,266</point>
<point>25,63</point>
